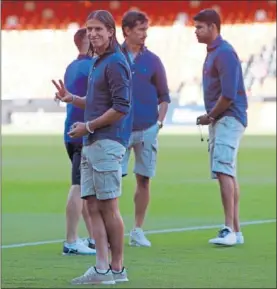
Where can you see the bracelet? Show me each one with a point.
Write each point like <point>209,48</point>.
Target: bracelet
<point>73,98</point>
<point>88,128</point>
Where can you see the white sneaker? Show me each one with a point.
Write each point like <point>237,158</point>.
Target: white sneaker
<point>120,276</point>
<point>138,239</point>
<point>225,237</point>
<point>92,276</point>
<point>240,238</point>
<point>77,248</point>
<point>89,243</point>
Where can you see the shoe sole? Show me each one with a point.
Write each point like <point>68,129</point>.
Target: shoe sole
<point>222,244</point>
<point>95,283</point>
<point>225,245</point>
<point>78,254</point>
<point>121,280</point>
<point>135,244</point>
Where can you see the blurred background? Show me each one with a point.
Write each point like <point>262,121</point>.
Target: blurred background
<point>37,45</point>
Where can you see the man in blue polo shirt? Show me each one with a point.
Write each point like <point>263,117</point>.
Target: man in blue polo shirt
<point>151,98</point>
<point>226,105</point>
<point>75,79</point>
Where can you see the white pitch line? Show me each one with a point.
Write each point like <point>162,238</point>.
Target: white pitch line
<point>150,232</point>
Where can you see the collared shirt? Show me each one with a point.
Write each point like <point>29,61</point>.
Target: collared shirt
<point>75,80</point>
<point>222,76</point>
<point>109,86</point>
<point>149,87</point>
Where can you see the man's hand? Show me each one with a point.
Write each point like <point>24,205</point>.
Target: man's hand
<point>78,129</point>
<point>204,120</point>
<point>62,94</point>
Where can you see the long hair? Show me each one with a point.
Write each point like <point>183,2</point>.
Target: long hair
<point>106,18</point>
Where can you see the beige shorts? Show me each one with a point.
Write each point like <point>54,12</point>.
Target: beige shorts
<point>145,145</point>
<point>101,173</point>
<point>224,141</point>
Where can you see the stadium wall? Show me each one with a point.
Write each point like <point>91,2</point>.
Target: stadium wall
<point>46,117</point>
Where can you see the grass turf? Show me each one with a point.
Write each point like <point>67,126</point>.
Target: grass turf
<point>35,180</point>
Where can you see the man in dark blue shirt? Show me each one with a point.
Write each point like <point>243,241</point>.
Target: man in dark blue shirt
<point>150,98</point>
<point>226,105</point>
<point>106,129</point>
<point>75,79</point>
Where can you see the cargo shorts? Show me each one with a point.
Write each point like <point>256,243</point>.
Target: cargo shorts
<point>224,141</point>
<point>145,145</point>
<point>101,172</point>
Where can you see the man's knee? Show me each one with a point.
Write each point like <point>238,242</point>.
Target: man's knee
<point>85,211</point>
<point>221,176</point>
<point>76,188</point>
<point>109,206</point>
<point>74,194</point>
<point>143,182</point>
<point>91,205</point>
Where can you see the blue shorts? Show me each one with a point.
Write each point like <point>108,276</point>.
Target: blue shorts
<point>224,141</point>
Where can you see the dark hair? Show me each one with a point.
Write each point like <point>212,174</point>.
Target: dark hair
<point>79,36</point>
<point>209,16</point>
<point>106,18</point>
<point>132,18</point>
<point>78,39</point>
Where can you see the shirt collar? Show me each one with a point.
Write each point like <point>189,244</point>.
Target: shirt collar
<point>111,49</point>
<point>124,46</point>
<point>83,56</point>
<point>215,43</point>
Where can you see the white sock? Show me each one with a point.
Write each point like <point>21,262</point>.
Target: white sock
<point>117,272</point>
<point>92,241</point>
<point>238,234</point>
<point>71,245</point>
<point>102,271</point>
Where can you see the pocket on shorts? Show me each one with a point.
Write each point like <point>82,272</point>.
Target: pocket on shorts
<point>224,154</point>
<point>107,176</point>
<point>153,153</point>
<point>84,164</point>
<point>151,134</point>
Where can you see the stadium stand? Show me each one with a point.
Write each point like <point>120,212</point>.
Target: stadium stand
<point>37,42</point>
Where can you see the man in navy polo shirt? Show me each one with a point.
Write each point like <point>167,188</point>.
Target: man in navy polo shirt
<point>75,79</point>
<point>226,105</point>
<point>151,98</point>
<point>106,129</point>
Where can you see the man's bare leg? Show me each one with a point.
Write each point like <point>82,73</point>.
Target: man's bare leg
<point>141,199</point>
<point>100,234</point>
<point>115,230</point>
<point>73,213</point>
<point>227,196</point>
<point>87,220</point>
<point>236,206</point>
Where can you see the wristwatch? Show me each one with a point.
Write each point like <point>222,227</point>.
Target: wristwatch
<point>160,124</point>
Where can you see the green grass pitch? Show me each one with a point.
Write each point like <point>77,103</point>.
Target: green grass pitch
<point>35,181</point>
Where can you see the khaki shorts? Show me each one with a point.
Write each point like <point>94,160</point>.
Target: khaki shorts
<point>145,145</point>
<point>101,173</point>
<point>224,141</point>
